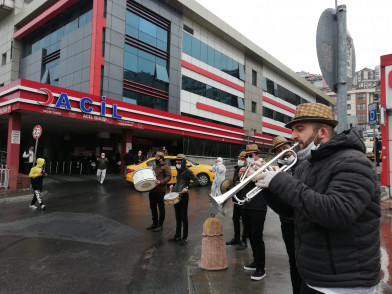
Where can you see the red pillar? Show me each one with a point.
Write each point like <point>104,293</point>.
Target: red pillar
<point>126,144</point>
<point>13,148</point>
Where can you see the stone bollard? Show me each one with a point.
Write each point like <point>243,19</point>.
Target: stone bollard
<point>213,246</point>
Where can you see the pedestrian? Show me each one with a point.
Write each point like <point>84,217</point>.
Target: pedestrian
<point>28,159</point>
<point>220,171</point>
<point>183,184</point>
<point>37,175</point>
<point>139,158</point>
<point>118,162</point>
<point>163,175</point>
<point>253,217</point>
<point>279,144</point>
<point>91,165</point>
<point>164,150</point>
<point>102,165</point>
<point>149,154</point>
<point>239,240</point>
<point>128,158</point>
<point>377,152</point>
<point>336,201</point>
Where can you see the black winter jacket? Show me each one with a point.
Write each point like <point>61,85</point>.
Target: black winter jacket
<point>184,177</point>
<point>336,201</point>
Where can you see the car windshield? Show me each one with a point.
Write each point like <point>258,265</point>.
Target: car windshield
<point>369,144</point>
<point>191,161</point>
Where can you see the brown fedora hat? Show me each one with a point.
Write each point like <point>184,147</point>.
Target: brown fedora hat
<point>160,153</point>
<point>180,156</point>
<point>313,112</point>
<point>252,148</point>
<point>242,155</point>
<point>279,141</point>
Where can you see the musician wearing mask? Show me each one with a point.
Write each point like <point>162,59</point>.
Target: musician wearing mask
<point>241,242</point>
<point>163,175</point>
<point>279,144</point>
<point>336,201</point>
<point>253,217</point>
<point>183,184</point>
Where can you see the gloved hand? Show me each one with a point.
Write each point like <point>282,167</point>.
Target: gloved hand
<point>263,180</point>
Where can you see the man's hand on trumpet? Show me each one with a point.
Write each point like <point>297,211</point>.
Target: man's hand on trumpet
<point>263,180</point>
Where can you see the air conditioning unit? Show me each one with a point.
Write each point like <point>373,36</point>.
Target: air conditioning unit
<point>7,4</point>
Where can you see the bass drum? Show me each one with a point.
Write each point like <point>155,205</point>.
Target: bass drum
<point>144,179</point>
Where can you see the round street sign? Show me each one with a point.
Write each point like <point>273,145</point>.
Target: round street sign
<point>37,132</point>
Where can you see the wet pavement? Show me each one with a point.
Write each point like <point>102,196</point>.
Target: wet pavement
<point>92,239</point>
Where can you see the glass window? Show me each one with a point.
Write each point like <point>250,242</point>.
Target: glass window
<point>147,38</point>
<point>162,45</point>
<point>218,60</point>
<point>187,44</point>
<point>254,105</point>
<point>240,102</point>
<point>254,78</point>
<point>133,19</point>
<point>162,34</point>
<point>241,72</point>
<point>146,66</point>
<point>196,48</point>
<point>134,32</point>
<point>148,27</point>
<point>210,56</point>
<point>130,62</point>
<point>161,73</point>
<point>204,53</point>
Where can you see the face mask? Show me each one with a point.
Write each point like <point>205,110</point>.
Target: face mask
<point>178,166</point>
<point>240,163</point>
<point>103,156</point>
<point>306,153</point>
<point>249,160</point>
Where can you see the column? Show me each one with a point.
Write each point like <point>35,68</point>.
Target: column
<point>13,148</point>
<point>126,144</point>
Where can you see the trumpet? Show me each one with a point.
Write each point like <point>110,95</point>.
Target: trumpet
<point>220,201</point>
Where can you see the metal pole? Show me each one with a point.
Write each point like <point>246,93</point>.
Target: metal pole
<point>374,145</point>
<point>35,152</point>
<point>342,68</point>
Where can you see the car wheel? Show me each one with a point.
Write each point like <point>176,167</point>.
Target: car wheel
<point>203,179</point>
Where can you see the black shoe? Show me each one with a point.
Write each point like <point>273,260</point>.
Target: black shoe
<point>153,226</point>
<point>183,241</point>
<point>175,239</point>
<point>233,242</point>
<point>242,246</point>
<point>158,228</point>
<point>258,275</point>
<point>250,267</point>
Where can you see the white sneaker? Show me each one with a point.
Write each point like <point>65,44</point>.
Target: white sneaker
<point>43,207</point>
<point>33,207</point>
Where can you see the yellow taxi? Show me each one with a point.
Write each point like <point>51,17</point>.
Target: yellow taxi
<point>201,171</point>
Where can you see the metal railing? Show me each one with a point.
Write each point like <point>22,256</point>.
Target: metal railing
<point>65,167</point>
<point>4,176</point>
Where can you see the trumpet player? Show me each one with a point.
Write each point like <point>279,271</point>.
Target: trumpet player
<point>253,217</point>
<point>336,202</point>
<point>279,144</point>
<point>240,242</point>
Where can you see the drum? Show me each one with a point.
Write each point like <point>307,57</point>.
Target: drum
<point>144,179</point>
<point>172,198</point>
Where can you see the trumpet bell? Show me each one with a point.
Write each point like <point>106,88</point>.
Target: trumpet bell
<point>218,202</point>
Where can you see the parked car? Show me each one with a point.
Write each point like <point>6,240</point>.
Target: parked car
<point>201,171</point>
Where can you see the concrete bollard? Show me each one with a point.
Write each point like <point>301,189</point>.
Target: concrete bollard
<point>213,246</point>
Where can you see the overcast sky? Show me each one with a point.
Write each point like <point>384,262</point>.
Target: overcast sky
<point>287,28</point>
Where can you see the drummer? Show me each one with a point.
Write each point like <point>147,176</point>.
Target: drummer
<point>163,175</point>
<point>184,176</point>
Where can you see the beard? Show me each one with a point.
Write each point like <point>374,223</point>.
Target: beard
<point>304,144</point>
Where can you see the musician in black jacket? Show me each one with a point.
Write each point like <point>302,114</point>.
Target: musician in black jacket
<point>279,144</point>
<point>184,177</point>
<point>241,242</point>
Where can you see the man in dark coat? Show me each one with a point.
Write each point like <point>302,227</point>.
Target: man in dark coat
<point>184,178</point>
<point>336,201</point>
<point>163,175</point>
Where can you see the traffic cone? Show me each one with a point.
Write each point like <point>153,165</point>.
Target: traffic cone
<point>213,246</point>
